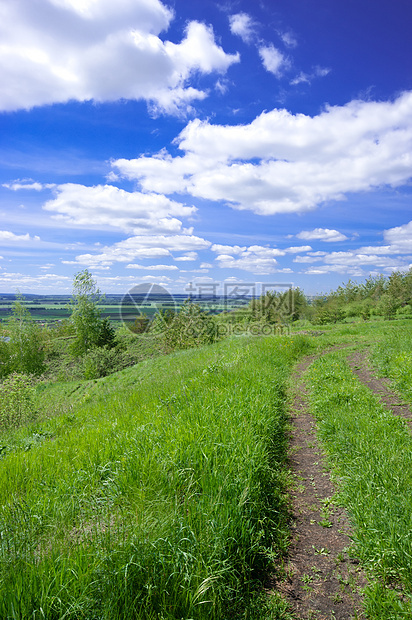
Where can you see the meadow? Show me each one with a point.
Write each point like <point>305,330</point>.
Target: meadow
<point>158,493</point>
<point>162,491</point>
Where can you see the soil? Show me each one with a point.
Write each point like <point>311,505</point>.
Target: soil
<point>322,580</point>
<point>359,362</point>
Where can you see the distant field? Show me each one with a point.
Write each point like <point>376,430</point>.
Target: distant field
<point>49,308</point>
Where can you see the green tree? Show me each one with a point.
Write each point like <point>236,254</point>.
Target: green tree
<point>26,346</point>
<point>190,327</point>
<point>85,317</point>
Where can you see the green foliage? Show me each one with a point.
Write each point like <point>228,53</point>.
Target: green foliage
<point>102,361</point>
<point>141,324</point>
<point>328,310</point>
<point>377,295</point>
<point>16,401</point>
<point>25,352</point>
<point>85,315</point>
<point>4,357</point>
<point>275,308</point>
<point>107,334</point>
<point>191,327</point>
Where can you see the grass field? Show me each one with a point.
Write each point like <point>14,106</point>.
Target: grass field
<point>156,494</point>
<point>161,491</point>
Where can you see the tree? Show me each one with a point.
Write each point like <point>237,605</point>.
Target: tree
<point>85,315</point>
<point>26,347</point>
<point>191,327</point>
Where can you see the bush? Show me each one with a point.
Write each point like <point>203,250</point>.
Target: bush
<point>26,347</point>
<point>191,327</point>
<point>101,362</point>
<point>4,358</point>
<point>16,401</point>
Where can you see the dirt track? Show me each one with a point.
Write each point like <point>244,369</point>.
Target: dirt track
<point>323,580</point>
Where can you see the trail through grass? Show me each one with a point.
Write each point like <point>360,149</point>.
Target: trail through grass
<point>371,452</point>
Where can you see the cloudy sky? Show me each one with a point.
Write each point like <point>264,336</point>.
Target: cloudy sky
<point>194,142</point>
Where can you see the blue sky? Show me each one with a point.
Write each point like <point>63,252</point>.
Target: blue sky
<point>193,143</point>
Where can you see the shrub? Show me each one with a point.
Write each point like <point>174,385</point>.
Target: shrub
<point>16,401</point>
<point>26,347</point>
<point>101,362</point>
<point>191,327</point>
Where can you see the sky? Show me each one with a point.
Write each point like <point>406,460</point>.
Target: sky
<point>203,145</point>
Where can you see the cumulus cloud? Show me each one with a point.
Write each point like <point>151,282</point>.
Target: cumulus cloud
<point>46,283</point>
<point>365,260</point>
<point>242,25</point>
<point>106,206</point>
<point>255,258</point>
<point>152,267</point>
<point>323,234</point>
<point>273,60</point>
<point>8,237</point>
<point>58,50</point>
<point>148,247</point>
<point>399,238</point>
<point>28,184</point>
<point>283,162</point>
<point>189,256</point>
<point>298,248</point>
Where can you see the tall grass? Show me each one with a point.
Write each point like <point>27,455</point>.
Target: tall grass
<point>371,451</point>
<point>160,496</point>
<point>393,357</point>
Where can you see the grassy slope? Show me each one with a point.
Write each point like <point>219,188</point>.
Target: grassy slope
<point>157,492</point>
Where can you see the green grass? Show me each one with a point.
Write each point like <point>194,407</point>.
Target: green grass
<point>157,493</point>
<point>393,356</point>
<point>371,452</point>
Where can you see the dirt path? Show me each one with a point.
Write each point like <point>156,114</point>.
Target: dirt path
<point>323,580</point>
<point>359,362</point>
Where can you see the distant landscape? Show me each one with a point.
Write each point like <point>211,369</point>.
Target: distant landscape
<point>162,467</point>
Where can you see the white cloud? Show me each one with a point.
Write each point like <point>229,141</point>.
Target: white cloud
<point>256,259</point>
<point>46,283</point>
<point>242,25</point>
<point>8,237</point>
<point>228,249</point>
<point>189,256</point>
<point>152,267</point>
<point>283,162</point>
<point>288,39</point>
<point>106,206</point>
<point>323,234</point>
<point>399,238</point>
<point>307,78</point>
<point>298,248</point>
<point>148,246</point>
<point>28,184</point>
<point>355,258</point>
<point>307,259</point>
<point>273,60</point>
<point>365,260</point>
<point>58,50</point>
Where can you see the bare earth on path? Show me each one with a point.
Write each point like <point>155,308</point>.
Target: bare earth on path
<point>323,582</point>
<point>359,362</point>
